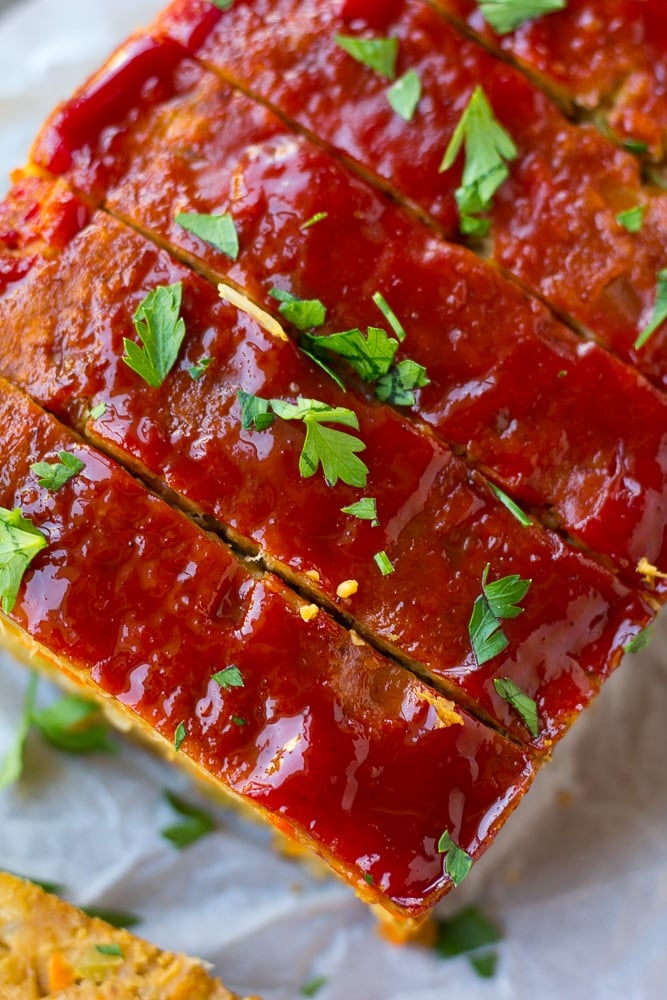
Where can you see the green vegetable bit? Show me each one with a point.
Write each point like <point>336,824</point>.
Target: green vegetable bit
<point>631,219</point>
<point>53,475</point>
<point>497,600</point>
<point>383,563</point>
<point>457,862</point>
<point>20,542</point>
<point>11,765</point>
<point>365,510</point>
<point>230,677</point>
<point>405,94</point>
<point>513,508</point>
<point>659,312</point>
<point>73,724</point>
<point>378,54</point>
<point>304,314</point>
<point>524,706</point>
<point>217,230</point>
<point>161,331</point>
<point>506,15</point>
<point>195,823</point>
<point>399,384</point>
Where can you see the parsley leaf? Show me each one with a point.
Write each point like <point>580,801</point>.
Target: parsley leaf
<point>197,370</point>
<point>314,219</point>
<point>384,563</point>
<point>98,411</point>
<point>635,146</point>
<point>524,706</point>
<point>398,385</point>
<point>109,949</point>
<point>52,476</point>
<point>116,918</point>
<point>405,94</point>
<point>659,311</point>
<point>466,931</point>
<point>161,330</point>
<point>389,315</point>
<point>497,600</point>
<point>217,230</point>
<point>230,677</point>
<point>370,356</point>
<point>11,765</point>
<point>379,54</point>
<point>180,736</point>
<point>255,411</point>
<point>194,825</point>
<point>631,219</point>
<point>304,314</point>
<point>457,862</point>
<point>20,541</point>
<point>640,641</point>
<point>73,724</point>
<point>469,933</point>
<point>365,510</point>
<point>222,4</point>
<point>488,147</point>
<point>511,506</point>
<point>506,15</point>
<point>335,450</point>
<point>313,986</point>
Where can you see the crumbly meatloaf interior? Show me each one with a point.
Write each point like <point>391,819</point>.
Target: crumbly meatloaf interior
<point>49,948</point>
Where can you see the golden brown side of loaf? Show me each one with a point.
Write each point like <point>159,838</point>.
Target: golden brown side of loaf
<point>48,948</point>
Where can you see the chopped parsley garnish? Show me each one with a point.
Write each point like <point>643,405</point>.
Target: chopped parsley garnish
<point>197,370</point>
<point>304,314</point>
<point>506,15</point>
<point>365,510</point>
<point>498,600</point>
<point>370,356</point>
<point>180,736</point>
<point>73,724</point>
<point>11,765</point>
<point>230,677</point>
<point>238,721</point>
<point>314,219</point>
<point>389,315</point>
<point>404,95</point>
<point>635,146</point>
<point>109,949</point>
<point>511,506</point>
<point>217,230</point>
<point>116,918</point>
<point>20,541</point>
<point>255,411</point>
<point>457,862</point>
<point>222,4</point>
<point>398,385</point>
<point>336,451</point>
<point>659,311</point>
<point>472,934</point>
<point>313,987</point>
<point>524,706</point>
<point>195,823</point>
<point>378,54</point>
<point>631,219</point>
<point>368,878</point>
<point>383,563</point>
<point>98,411</point>
<point>53,475</point>
<point>161,330</point>
<point>640,641</point>
<point>488,148</point>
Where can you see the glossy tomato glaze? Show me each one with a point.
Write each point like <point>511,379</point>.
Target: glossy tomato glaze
<point>341,748</point>
<point>554,224</point>
<point>439,525</point>
<point>525,397</point>
<point>609,55</point>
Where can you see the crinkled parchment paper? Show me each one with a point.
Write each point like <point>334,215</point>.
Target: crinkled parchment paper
<point>577,879</point>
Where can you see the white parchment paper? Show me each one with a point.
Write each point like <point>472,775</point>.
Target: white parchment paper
<point>577,879</point>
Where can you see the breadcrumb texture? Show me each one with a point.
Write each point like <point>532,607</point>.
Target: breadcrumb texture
<point>48,948</point>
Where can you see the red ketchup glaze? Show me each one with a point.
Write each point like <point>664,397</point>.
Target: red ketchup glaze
<point>539,408</point>
<point>438,523</point>
<point>145,608</point>
<point>605,54</point>
<point>554,223</point>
